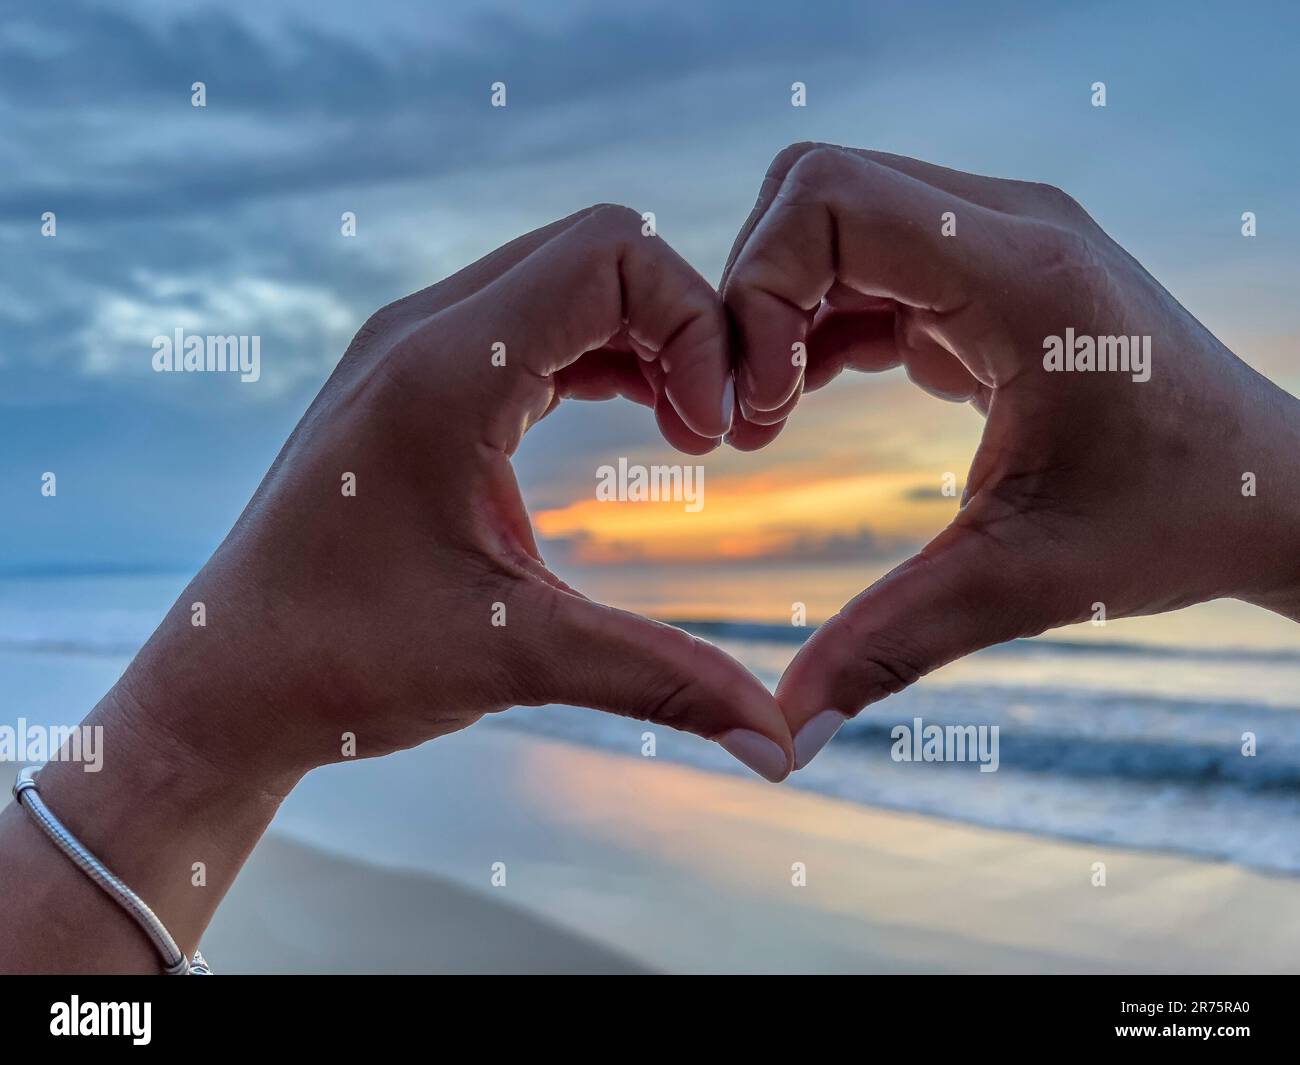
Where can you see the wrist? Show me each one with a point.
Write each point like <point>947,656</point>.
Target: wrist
<point>174,825</point>
<point>218,754</point>
<point>213,697</point>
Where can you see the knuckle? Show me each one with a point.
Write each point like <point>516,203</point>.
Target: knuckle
<point>739,290</point>
<point>788,156</point>
<point>1056,199</point>
<point>672,697</point>
<point>886,669</point>
<point>614,219</point>
<point>1067,259</point>
<point>672,707</point>
<point>823,166</point>
<point>374,327</point>
<point>886,663</point>
<point>698,319</point>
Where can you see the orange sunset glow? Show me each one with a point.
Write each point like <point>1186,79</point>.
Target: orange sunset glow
<point>753,517</point>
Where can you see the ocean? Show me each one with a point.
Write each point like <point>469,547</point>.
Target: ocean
<point>1100,740</point>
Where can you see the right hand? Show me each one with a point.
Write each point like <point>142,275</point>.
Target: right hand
<point>1087,487</point>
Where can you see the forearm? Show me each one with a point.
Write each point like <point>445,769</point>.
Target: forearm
<point>174,825</point>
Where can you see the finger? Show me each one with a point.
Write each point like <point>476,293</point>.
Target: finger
<point>749,436</point>
<point>678,434</point>
<point>773,417</point>
<point>842,299</point>
<point>604,374</point>
<point>873,341</point>
<point>964,591</point>
<point>575,292</point>
<point>410,310</point>
<point>482,272</point>
<point>842,341</point>
<point>938,371</point>
<point>834,219</point>
<point>839,218</point>
<point>995,194</point>
<point>1007,195</point>
<point>615,371</point>
<point>626,664</point>
<point>771,185</point>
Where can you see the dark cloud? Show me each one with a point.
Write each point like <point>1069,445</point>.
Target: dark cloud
<point>74,74</point>
<point>315,112</point>
<point>863,545</point>
<point>930,494</point>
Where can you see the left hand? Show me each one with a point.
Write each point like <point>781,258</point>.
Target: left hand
<point>372,613</point>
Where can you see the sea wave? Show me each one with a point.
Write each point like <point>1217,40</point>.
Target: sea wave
<point>1123,744</point>
<point>1028,648</point>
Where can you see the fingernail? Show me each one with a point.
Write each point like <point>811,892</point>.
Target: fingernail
<point>815,735</point>
<point>758,752</point>
<point>728,403</point>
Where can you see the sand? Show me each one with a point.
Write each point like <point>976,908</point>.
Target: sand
<point>296,909</point>
<point>622,864</point>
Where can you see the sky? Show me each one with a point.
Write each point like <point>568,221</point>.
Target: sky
<point>226,220</point>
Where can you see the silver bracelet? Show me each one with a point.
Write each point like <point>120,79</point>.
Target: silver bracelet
<point>174,961</point>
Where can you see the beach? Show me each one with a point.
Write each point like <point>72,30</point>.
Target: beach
<point>1188,744</point>
<point>298,909</point>
<point>621,864</point>
<point>406,367</point>
<point>541,840</point>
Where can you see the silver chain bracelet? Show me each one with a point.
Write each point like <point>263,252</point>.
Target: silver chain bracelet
<point>174,961</point>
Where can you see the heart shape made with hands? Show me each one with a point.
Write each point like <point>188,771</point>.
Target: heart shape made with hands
<point>795,323</point>
<point>850,260</point>
<point>855,259</point>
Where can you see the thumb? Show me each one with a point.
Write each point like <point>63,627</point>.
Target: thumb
<point>964,591</point>
<point>612,660</point>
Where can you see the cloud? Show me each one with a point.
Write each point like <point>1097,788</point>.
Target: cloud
<point>302,108</point>
<point>307,327</point>
<point>316,111</point>
<point>926,493</point>
<point>228,216</point>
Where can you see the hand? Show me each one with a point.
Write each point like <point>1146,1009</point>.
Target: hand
<point>413,566</point>
<point>373,614</point>
<point>370,613</point>
<point>1088,487</point>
